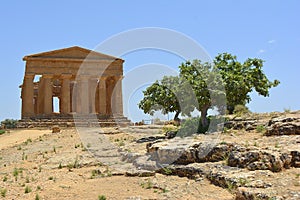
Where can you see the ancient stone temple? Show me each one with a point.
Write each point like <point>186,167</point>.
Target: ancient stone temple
<point>85,83</point>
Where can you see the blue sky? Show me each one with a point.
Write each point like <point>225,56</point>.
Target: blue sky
<point>269,30</point>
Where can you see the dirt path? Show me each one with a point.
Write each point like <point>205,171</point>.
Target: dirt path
<point>15,137</point>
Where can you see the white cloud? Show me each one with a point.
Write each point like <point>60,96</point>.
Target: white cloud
<point>271,41</point>
<point>261,51</point>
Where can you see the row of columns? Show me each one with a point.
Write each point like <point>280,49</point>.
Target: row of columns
<point>84,96</point>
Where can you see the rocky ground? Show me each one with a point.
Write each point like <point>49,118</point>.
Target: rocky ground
<point>256,157</point>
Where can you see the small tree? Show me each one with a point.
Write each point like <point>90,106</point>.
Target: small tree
<point>207,83</point>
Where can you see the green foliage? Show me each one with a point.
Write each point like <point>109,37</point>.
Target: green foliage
<point>16,173</point>
<point>95,173</point>
<point>261,129</point>
<point>101,197</point>
<point>169,128</point>
<point>29,140</point>
<point>147,185</point>
<point>37,197</point>
<point>2,132</point>
<point>202,86</point>
<point>9,123</point>
<point>3,192</point>
<point>27,189</point>
<point>163,96</point>
<point>167,171</point>
<point>241,110</point>
<point>242,78</point>
<point>191,126</point>
<point>74,165</point>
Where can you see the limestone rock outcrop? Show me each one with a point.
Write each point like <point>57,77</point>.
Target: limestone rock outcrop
<point>283,126</point>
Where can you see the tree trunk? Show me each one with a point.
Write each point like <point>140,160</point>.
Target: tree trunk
<point>230,109</point>
<point>176,116</point>
<point>204,120</point>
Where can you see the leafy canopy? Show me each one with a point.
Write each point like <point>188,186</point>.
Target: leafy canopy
<point>202,86</point>
<point>242,78</point>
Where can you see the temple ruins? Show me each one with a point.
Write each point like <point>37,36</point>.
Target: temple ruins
<point>85,82</point>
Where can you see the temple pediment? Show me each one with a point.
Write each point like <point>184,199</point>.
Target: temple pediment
<point>71,53</point>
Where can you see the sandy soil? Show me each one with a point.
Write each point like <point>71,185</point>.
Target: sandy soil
<point>14,137</point>
<point>57,166</point>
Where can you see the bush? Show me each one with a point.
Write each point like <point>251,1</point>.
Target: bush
<point>194,125</point>
<point>27,189</point>
<point>261,129</point>
<point>191,126</point>
<point>101,197</point>
<point>2,132</point>
<point>9,123</point>
<point>241,109</point>
<point>3,192</point>
<point>167,128</point>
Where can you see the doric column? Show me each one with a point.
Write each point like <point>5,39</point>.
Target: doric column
<point>48,94</point>
<point>76,97</point>
<point>118,97</point>
<point>84,94</point>
<point>40,97</point>
<point>92,95</point>
<point>27,96</point>
<point>65,100</point>
<point>109,95</point>
<point>102,96</point>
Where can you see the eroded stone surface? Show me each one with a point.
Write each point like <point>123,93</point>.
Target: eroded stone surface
<point>284,126</point>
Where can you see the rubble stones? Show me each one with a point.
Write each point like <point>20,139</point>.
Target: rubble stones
<point>55,129</point>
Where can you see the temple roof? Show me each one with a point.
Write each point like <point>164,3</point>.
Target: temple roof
<point>74,52</point>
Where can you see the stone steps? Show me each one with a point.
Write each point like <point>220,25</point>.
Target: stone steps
<point>70,122</point>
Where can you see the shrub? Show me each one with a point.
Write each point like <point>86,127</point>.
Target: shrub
<point>27,189</point>
<point>194,125</point>
<point>287,110</point>
<point>9,123</point>
<point>167,128</point>
<point>157,121</point>
<point>241,109</point>
<point>3,192</point>
<point>190,127</point>
<point>261,129</point>
<point>37,197</point>
<point>101,197</point>
<point>2,132</point>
